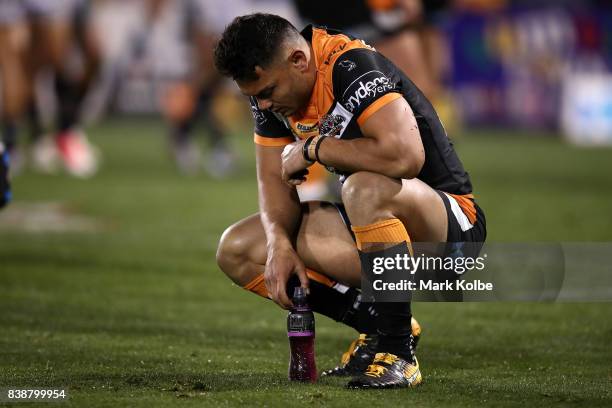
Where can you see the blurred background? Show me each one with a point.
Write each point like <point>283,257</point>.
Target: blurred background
<point>129,155</point>
<point>67,65</point>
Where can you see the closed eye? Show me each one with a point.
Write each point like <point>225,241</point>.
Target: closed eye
<point>266,93</point>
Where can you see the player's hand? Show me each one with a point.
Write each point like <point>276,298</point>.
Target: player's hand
<point>294,166</point>
<point>282,263</point>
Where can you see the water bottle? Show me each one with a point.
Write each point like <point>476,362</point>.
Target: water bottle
<point>301,333</point>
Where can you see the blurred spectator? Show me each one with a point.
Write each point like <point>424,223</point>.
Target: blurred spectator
<point>528,64</point>
<point>65,46</point>
<point>523,65</point>
<point>191,81</point>
<point>14,38</point>
<point>41,37</point>
<point>162,61</point>
<point>389,25</point>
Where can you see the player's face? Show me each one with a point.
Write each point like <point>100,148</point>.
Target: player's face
<point>283,88</point>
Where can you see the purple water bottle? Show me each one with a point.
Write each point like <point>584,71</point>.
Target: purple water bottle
<point>301,333</point>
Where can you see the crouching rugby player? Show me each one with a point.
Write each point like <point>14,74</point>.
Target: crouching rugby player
<point>322,96</point>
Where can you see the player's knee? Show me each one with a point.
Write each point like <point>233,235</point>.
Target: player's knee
<point>232,252</point>
<point>365,190</point>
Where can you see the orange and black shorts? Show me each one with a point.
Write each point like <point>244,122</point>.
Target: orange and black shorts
<point>460,228</point>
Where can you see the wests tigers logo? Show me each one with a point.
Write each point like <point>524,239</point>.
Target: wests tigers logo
<point>331,125</point>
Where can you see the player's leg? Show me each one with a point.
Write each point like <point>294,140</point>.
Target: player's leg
<point>370,197</point>
<point>71,36</point>
<point>384,213</point>
<point>179,111</point>
<point>324,244</point>
<point>57,28</point>
<point>221,160</point>
<point>13,45</point>
<point>5,186</point>
<point>327,249</point>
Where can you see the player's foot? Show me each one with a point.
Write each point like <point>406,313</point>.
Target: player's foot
<point>17,160</point>
<point>45,157</point>
<point>221,162</point>
<point>388,371</point>
<point>5,186</point>
<point>187,157</point>
<point>361,352</point>
<point>79,156</point>
<point>356,359</point>
<point>416,333</point>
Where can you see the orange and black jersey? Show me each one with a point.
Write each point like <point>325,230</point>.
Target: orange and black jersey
<point>353,82</point>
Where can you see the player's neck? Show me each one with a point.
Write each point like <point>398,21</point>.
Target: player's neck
<point>311,78</point>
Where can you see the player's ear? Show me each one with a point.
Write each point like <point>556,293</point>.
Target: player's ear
<point>299,60</point>
<point>258,71</point>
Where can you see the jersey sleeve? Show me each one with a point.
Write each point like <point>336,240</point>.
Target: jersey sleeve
<point>363,82</point>
<point>269,130</point>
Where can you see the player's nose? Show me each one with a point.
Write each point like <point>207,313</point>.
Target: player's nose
<point>264,104</point>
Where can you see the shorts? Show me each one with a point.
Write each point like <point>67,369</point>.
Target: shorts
<point>459,227</point>
<point>463,240</point>
<point>17,11</point>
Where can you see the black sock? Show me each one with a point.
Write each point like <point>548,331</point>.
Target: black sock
<point>214,129</point>
<point>69,98</point>
<point>180,132</point>
<point>9,135</point>
<point>361,316</point>
<point>394,329</point>
<point>342,306</point>
<point>35,127</point>
<point>393,323</point>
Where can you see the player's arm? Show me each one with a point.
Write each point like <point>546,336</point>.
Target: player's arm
<point>279,205</point>
<point>364,84</point>
<point>391,144</point>
<point>281,216</point>
<point>278,202</point>
<point>366,91</point>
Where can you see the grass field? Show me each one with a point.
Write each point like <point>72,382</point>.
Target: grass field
<point>124,305</point>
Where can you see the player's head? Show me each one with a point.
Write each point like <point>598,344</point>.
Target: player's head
<point>268,59</point>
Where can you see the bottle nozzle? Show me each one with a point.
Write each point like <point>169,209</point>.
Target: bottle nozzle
<point>299,296</point>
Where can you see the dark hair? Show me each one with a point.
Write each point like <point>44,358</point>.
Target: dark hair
<point>250,41</point>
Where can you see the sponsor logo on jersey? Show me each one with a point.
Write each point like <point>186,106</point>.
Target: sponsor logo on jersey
<point>348,64</point>
<point>363,89</point>
<point>305,127</point>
